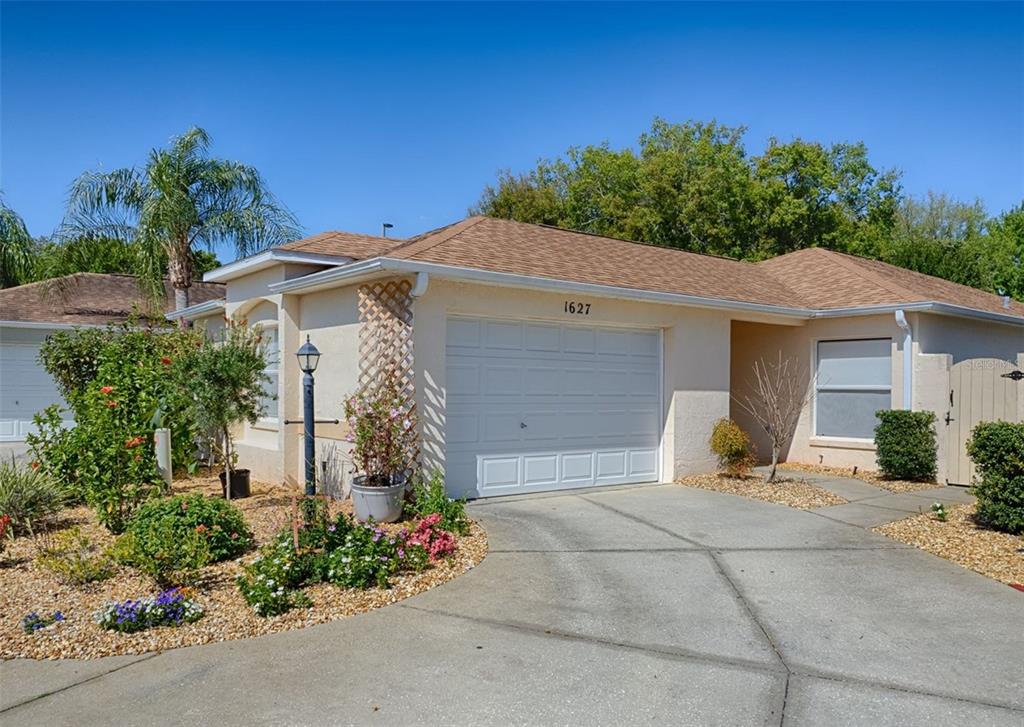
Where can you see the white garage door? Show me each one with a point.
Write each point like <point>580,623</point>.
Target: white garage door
<point>25,388</point>
<point>539,406</point>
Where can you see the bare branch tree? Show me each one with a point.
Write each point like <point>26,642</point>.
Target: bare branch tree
<point>778,394</point>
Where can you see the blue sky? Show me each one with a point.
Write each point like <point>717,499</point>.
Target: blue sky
<point>358,114</point>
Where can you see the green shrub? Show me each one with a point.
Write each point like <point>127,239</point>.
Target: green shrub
<point>270,583</point>
<point>733,448</point>
<point>431,497</point>
<point>28,496</point>
<point>997,449</point>
<point>163,552</point>
<point>74,559</point>
<point>905,444</point>
<point>118,386</point>
<point>218,521</point>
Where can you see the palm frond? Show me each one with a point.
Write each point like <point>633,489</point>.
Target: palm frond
<point>16,248</point>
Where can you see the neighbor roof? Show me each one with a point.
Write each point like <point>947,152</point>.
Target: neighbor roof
<point>91,299</point>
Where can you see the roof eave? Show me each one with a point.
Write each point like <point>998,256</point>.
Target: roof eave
<point>268,259</point>
<point>199,310</point>
<point>929,306</point>
<point>370,268</point>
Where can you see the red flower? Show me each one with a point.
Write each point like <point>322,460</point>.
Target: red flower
<point>134,442</point>
<point>111,404</point>
<point>106,389</point>
<point>34,465</point>
<point>165,361</point>
<point>200,528</point>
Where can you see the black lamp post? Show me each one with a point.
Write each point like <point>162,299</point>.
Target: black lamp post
<point>309,357</point>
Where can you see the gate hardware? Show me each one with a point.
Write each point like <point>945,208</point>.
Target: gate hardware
<point>315,421</point>
<point>1016,375</point>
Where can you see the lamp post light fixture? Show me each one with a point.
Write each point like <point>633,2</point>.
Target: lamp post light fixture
<point>309,357</point>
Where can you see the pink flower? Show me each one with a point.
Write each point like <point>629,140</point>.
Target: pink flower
<point>106,389</point>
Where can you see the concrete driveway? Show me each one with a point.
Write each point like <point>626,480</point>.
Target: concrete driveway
<point>662,605</point>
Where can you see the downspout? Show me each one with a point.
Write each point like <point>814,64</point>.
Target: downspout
<point>908,359</point>
<point>420,287</point>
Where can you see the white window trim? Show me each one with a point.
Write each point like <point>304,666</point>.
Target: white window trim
<point>839,441</point>
<point>272,422</point>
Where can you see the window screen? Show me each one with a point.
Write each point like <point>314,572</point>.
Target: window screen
<point>272,355</point>
<point>854,380</point>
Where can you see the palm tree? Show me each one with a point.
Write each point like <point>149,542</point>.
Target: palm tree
<point>16,248</point>
<point>180,201</point>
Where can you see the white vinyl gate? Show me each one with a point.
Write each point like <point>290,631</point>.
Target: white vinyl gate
<point>535,406</point>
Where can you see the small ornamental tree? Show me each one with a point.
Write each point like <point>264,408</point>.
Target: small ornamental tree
<point>733,448</point>
<point>224,381</point>
<point>777,395</point>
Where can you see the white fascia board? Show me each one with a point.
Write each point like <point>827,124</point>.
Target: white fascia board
<point>198,310</point>
<point>348,274</point>
<point>945,309</point>
<point>268,259</point>
<point>351,273</point>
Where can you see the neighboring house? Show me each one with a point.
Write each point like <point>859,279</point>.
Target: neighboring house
<point>30,313</point>
<point>545,359</point>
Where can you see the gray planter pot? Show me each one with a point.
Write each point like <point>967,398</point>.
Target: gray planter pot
<point>383,504</point>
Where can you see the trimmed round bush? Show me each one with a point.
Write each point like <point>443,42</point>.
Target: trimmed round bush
<point>905,445</point>
<point>218,521</point>
<point>997,450</point>
<point>732,446</point>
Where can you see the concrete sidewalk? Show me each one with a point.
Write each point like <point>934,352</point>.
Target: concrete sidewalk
<point>663,604</point>
<point>871,506</point>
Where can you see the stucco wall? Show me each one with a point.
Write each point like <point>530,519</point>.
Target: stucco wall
<point>755,341</point>
<point>696,361</point>
<point>939,342</point>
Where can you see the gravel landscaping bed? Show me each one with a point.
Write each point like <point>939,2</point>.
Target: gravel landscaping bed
<point>28,588</point>
<point>869,476</point>
<point>792,492</point>
<point>959,539</point>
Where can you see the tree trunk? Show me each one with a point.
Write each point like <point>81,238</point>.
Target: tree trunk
<point>179,272</point>
<point>775,464</point>
<point>227,464</point>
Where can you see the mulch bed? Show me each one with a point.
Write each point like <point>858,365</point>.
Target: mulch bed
<point>784,491</point>
<point>868,476</point>
<point>27,588</point>
<point>961,540</point>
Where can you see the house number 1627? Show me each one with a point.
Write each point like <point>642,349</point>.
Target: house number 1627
<point>577,308</point>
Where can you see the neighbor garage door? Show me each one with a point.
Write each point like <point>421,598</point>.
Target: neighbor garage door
<point>25,388</point>
<point>537,406</point>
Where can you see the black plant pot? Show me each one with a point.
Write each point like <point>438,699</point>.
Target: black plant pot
<point>239,484</point>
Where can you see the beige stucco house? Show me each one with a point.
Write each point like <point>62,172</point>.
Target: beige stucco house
<point>545,359</point>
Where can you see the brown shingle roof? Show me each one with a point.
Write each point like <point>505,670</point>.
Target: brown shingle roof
<point>91,298</point>
<point>829,279</point>
<point>514,247</point>
<point>342,244</point>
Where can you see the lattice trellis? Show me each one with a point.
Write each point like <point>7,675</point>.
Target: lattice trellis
<point>386,344</point>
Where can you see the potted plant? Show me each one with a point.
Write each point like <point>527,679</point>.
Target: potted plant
<point>382,431</point>
<point>225,381</point>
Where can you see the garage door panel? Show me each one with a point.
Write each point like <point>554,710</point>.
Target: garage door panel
<point>463,379</point>
<point>25,389</point>
<point>540,470</point>
<point>611,464</point>
<point>503,381</point>
<point>501,427</point>
<point>577,468</point>
<point>578,340</point>
<point>542,381</point>
<point>543,338</point>
<point>463,333</point>
<point>548,406</point>
<point>499,472</point>
<point>502,335</point>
